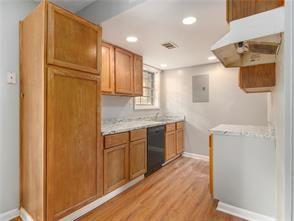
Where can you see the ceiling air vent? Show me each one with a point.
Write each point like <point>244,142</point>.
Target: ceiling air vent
<point>170,45</point>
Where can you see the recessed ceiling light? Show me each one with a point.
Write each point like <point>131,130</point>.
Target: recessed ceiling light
<point>189,20</point>
<point>132,39</point>
<point>211,58</point>
<point>163,65</point>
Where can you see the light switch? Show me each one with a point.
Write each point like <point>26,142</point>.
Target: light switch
<point>11,78</point>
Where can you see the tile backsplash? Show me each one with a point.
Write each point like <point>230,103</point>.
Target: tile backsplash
<point>122,107</point>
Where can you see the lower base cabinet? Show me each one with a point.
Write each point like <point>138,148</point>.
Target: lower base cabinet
<point>125,158</point>
<point>180,141</point>
<point>116,167</point>
<point>174,140</point>
<point>180,137</point>
<point>170,145</point>
<point>138,158</point>
<point>125,154</point>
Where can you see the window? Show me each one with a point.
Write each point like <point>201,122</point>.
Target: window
<point>150,98</point>
<point>148,90</point>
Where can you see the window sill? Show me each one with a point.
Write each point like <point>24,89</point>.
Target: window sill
<point>146,107</point>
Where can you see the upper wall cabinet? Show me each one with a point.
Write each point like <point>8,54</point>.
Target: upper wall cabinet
<point>237,9</point>
<point>122,72</point>
<point>257,78</point>
<point>107,73</point>
<point>138,75</point>
<point>72,41</point>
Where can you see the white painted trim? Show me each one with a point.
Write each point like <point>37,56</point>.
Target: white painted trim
<point>9,215</point>
<point>196,156</point>
<point>242,213</point>
<point>101,200</point>
<point>25,216</point>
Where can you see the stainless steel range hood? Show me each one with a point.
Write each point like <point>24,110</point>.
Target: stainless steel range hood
<point>252,40</point>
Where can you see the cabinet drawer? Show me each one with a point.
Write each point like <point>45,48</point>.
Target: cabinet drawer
<point>180,125</point>
<point>170,127</point>
<point>138,134</point>
<point>116,139</point>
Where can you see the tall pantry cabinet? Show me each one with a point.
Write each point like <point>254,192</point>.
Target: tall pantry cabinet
<point>61,156</point>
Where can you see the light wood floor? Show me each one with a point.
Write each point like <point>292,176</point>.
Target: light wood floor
<point>177,192</point>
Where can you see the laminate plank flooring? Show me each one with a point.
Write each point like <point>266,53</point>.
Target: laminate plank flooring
<point>177,192</point>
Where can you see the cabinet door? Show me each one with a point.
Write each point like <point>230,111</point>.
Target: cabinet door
<point>116,167</point>
<point>138,158</point>
<point>180,141</point>
<point>237,9</point>
<point>170,145</point>
<point>107,72</point>
<point>138,75</point>
<point>72,41</point>
<point>123,72</point>
<point>257,78</point>
<point>74,154</point>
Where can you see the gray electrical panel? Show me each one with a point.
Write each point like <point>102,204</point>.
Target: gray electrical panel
<point>200,88</point>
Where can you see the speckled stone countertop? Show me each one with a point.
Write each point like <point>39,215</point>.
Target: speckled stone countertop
<point>265,132</point>
<point>114,126</point>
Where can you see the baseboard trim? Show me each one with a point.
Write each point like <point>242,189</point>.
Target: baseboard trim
<point>172,159</point>
<point>77,214</point>
<point>9,215</point>
<point>196,156</point>
<point>242,213</point>
<point>25,216</point>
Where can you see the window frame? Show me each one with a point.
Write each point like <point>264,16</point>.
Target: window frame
<point>155,103</point>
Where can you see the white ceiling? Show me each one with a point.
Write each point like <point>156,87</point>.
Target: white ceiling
<point>158,21</point>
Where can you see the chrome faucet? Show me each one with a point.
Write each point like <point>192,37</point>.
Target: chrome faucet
<point>157,115</point>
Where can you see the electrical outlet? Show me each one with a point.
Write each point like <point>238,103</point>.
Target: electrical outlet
<point>11,78</point>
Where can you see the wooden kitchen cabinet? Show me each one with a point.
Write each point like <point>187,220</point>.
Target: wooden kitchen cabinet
<point>258,78</point>
<point>116,139</point>
<point>61,157</point>
<point>180,137</point>
<point>138,153</point>
<point>138,75</point>
<point>124,72</point>
<point>116,167</point>
<point>211,164</point>
<point>72,41</point>
<point>170,142</point>
<point>237,9</point>
<point>74,162</point>
<point>107,71</point>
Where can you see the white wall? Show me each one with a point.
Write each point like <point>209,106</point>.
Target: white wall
<point>281,108</point>
<point>102,10</point>
<point>278,120</point>
<point>228,103</point>
<point>11,13</point>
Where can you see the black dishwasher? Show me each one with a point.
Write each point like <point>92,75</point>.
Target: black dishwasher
<point>155,157</point>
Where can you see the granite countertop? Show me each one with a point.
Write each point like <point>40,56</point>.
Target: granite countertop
<point>114,126</point>
<point>265,132</point>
